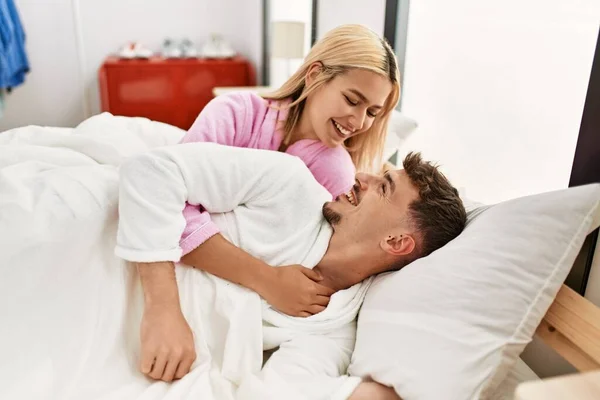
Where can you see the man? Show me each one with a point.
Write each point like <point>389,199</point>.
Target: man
<point>269,204</point>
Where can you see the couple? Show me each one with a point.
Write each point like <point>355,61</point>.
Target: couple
<point>270,205</point>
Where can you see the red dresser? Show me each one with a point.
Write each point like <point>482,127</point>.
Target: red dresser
<point>168,90</point>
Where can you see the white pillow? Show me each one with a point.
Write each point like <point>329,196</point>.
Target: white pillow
<point>451,325</point>
<point>400,127</point>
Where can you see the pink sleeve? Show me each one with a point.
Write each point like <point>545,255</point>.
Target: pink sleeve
<point>334,169</point>
<point>224,120</point>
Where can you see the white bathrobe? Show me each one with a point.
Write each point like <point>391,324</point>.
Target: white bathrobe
<point>268,204</point>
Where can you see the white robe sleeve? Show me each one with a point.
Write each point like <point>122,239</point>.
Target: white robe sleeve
<point>155,185</point>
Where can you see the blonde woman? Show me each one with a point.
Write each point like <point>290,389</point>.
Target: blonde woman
<point>333,115</point>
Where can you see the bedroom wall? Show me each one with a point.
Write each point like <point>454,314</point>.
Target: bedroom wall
<point>52,93</point>
<point>337,12</point>
<point>68,39</point>
<point>498,89</point>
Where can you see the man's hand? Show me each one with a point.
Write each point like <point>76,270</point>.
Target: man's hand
<point>294,290</point>
<point>167,343</point>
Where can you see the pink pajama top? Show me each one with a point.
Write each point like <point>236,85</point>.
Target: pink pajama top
<point>244,119</point>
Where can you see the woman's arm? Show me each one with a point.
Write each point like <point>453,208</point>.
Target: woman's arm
<point>230,120</point>
<point>293,290</point>
<point>225,120</point>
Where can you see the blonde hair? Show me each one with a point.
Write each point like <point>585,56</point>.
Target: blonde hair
<point>340,50</point>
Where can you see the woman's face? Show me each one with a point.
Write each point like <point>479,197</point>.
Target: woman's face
<point>346,106</point>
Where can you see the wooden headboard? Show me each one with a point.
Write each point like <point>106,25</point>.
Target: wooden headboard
<point>572,328</point>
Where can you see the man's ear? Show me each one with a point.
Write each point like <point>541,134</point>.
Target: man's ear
<point>313,72</point>
<point>400,245</point>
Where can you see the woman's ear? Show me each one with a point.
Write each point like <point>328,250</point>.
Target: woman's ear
<point>400,245</point>
<point>313,72</point>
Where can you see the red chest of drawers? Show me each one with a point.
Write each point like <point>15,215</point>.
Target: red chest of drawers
<point>168,90</point>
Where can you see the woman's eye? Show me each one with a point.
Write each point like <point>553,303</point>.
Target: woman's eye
<point>352,103</point>
<point>370,114</point>
<point>383,188</point>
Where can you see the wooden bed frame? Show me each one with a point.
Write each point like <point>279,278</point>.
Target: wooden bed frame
<point>572,328</point>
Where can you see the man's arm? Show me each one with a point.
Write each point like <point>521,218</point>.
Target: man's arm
<point>155,186</point>
<point>167,342</point>
<point>153,190</point>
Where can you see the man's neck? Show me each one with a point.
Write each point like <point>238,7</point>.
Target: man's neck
<point>345,265</point>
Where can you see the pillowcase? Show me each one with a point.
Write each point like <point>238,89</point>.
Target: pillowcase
<point>451,325</point>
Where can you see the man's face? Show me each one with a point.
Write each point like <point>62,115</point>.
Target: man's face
<point>375,209</point>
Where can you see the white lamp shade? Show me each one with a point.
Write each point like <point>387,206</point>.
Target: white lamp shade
<point>287,39</point>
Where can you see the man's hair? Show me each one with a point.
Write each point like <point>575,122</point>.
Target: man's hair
<point>438,215</point>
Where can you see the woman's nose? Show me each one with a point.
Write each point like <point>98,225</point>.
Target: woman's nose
<point>357,121</point>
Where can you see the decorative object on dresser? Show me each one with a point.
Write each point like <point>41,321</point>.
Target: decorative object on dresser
<point>173,91</point>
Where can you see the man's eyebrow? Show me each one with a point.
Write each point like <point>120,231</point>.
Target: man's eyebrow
<point>391,181</point>
<point>363,97</point>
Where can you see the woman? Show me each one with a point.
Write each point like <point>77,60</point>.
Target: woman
<point>333,114</point>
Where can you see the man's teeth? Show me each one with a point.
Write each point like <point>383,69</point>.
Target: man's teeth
<point>351,198</point>
<point>344,131</point>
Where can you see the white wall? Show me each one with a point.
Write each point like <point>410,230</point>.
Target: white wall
<point>67,40</point>
<point>498,89</point>
<point>52,93</point>
<point>333,13</point>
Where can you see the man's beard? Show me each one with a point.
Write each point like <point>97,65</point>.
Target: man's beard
<point>331,216</point>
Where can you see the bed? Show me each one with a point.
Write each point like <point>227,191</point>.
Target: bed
<point>571,325</point>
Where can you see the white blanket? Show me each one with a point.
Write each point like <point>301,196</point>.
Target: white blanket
<point>70,309</point>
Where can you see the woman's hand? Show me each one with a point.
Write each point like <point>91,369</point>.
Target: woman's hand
<point>294,290</point>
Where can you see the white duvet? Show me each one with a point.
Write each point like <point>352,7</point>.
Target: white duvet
<point>70,310</point>
<point>65,298</point>
<point>66,301</point>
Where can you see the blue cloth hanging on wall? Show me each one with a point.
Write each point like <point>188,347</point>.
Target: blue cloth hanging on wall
<point>14,64</point>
